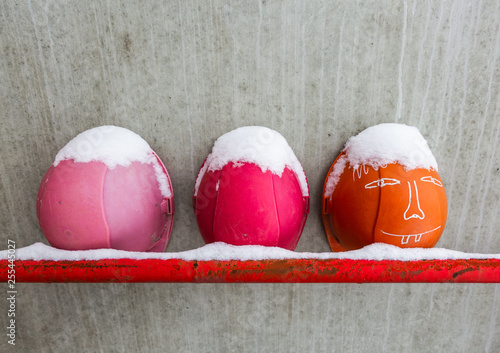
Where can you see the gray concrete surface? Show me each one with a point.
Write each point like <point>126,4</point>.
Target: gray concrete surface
<point>180,74</point>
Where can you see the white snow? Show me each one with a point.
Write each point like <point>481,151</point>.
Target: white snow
<point>259,145</point>
<point>113,146</point>
<point>380,145</point>
<point>223,252</point>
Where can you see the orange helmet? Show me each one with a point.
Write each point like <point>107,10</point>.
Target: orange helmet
<point>375,194</point>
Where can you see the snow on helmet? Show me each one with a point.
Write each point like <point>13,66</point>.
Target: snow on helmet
<point>384,187</point>
<point>251,190</point>
<point>106,189</point>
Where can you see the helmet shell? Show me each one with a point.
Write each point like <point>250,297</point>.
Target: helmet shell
<point>242,205</point>
<point>83,206</point>
<point>405,208</point>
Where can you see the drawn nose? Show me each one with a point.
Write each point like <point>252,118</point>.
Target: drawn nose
<point>413,210</point>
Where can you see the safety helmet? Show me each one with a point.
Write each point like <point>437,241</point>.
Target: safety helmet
<point>384,187</point>
<point>106,189</point>
<point>251,190</point>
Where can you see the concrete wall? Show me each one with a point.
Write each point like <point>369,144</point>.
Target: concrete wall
<point>180,74</point>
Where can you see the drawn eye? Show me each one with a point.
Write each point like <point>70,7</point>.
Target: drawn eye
<point>430,179</point>
<point>381,183</point>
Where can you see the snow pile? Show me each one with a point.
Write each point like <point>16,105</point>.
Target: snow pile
<point>380,145</point>
<point>261,146</point>
<point>224,252</point>
<point>113,146</point>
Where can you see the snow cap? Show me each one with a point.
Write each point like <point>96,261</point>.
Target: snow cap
<point>380,145</point>
<point>259,145</point>
<point>113,146</point>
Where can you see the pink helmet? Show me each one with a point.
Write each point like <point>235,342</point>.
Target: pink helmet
<point>252,190</point>
<point>106,189</point>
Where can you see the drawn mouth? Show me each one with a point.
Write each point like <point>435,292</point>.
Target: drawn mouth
<point>406,237</point>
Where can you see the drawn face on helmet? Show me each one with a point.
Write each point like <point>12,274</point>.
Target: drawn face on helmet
<point>384,187</point>
<point>389,205</point>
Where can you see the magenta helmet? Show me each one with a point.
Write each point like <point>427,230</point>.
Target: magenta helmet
<point>252,190</point>
<point>106,189</point>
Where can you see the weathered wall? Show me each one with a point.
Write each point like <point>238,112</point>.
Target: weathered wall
<point>180,74</point>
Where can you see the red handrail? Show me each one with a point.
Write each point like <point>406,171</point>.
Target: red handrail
<point>287,270</point>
